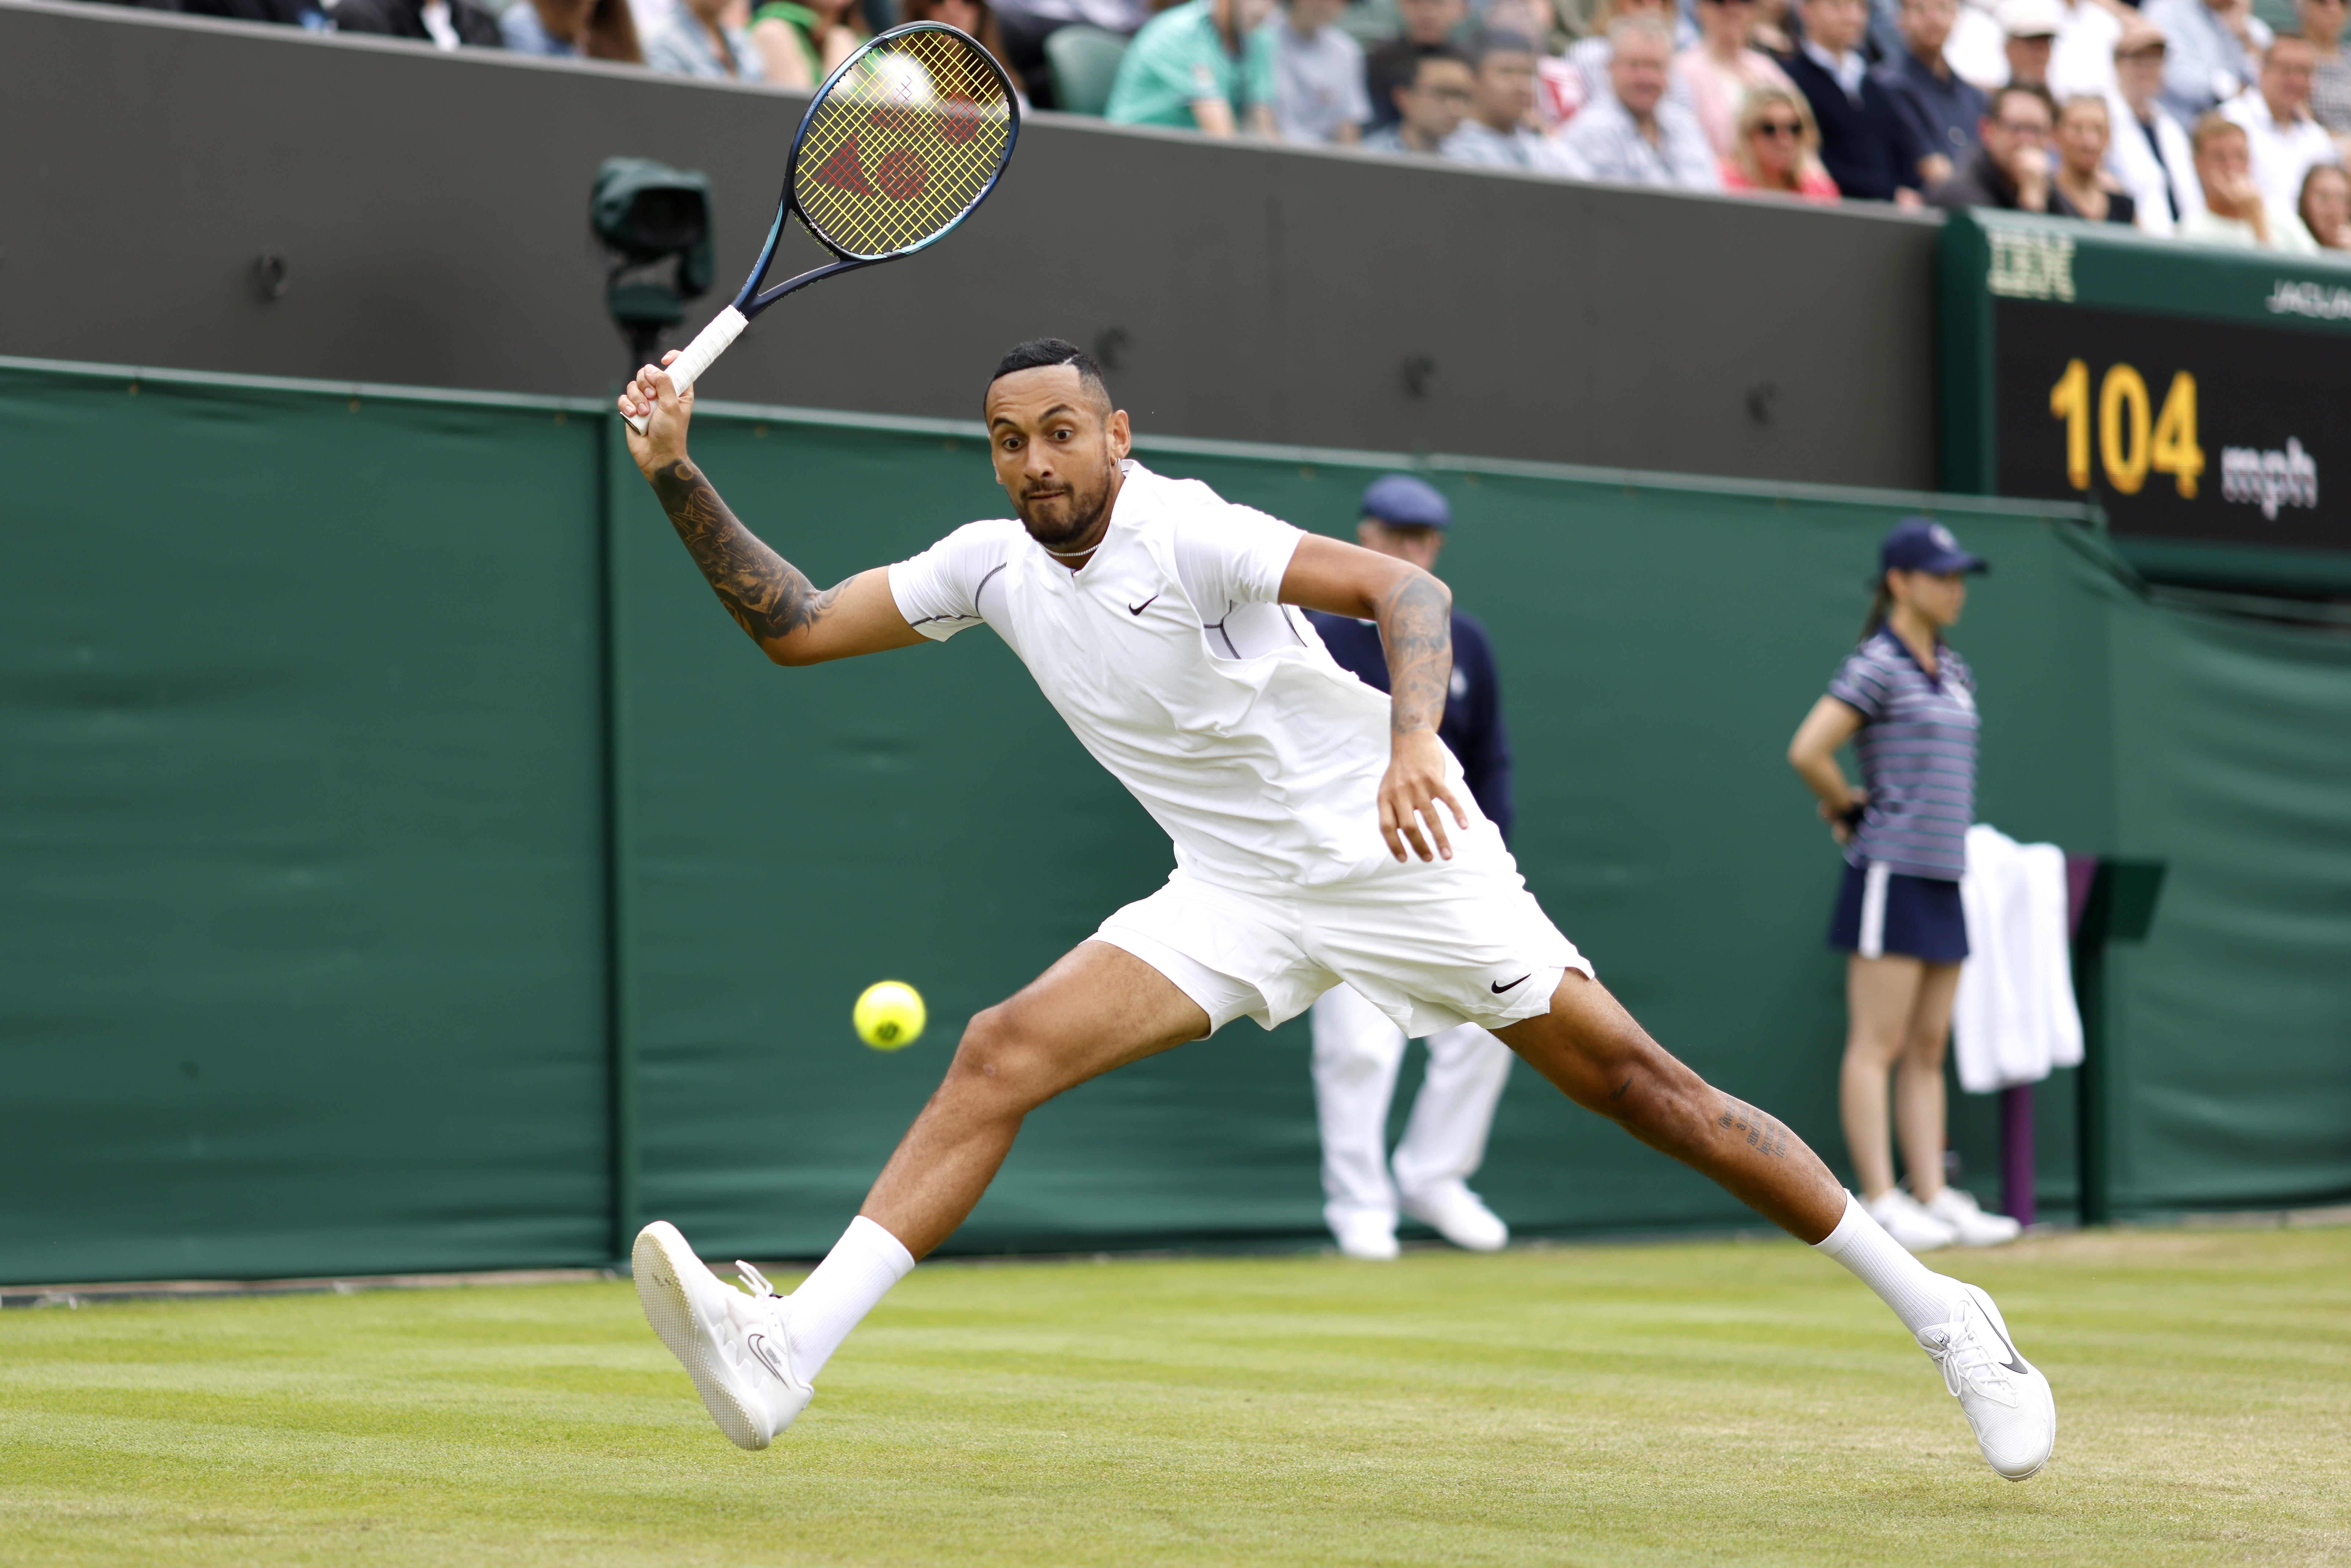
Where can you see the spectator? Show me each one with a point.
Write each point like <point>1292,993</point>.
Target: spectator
<point>1433,104</point>
<point>598,29</point>
<point>304,14</point>
<point>1537,19</point>
<point>2149,152</point>
<point>1636,134</point>
<point>699,41</point>
<point>2031,28</point>
<point>1940,108</point>
<point>2084,133</point>
<point>1317,76</point>
<point>1207,65</point>
<point>2330,75</point>
<point>1861,137</point>
<point>444,24</point>
<point>2285,140</point>
<point>2012,169</point>
<point>1720,70</point>
<point>1581,76</point>
<point>1499,133</point>
<point>2326,207</point>
<point>2213,44</point>
<point>976,17</point>
<point>1427,24</point>
<point>1777,150</point>
<point>2235,212</point>
<point>1027,24</point>
<point>799,43</point>
<point>1977,49</point>
<point>2082,61</point>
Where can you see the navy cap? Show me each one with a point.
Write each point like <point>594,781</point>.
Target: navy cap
<point>1403,501</point>
<point>1922,544</point>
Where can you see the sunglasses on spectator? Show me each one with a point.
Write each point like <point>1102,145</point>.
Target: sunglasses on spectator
<point>2023,128</point>
<point>1779,128</point>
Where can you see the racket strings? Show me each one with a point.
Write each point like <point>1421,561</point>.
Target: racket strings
<point>906,142</point>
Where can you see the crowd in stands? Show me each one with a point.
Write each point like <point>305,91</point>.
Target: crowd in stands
<point>2191,118</point>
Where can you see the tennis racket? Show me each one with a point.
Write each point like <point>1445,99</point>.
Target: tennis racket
<point>898,147</point>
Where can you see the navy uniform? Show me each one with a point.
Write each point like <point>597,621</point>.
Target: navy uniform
<point>1357,1051</point>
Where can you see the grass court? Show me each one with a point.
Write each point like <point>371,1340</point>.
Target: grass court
<point>1710,1401</point>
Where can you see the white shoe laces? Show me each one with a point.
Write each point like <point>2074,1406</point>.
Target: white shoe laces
<point>1967,1354</point>
<point>738,1317</point>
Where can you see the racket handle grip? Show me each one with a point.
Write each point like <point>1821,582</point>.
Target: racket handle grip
<point>701,354</point>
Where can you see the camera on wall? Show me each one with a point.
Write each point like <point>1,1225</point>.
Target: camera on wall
<point>652,224</point>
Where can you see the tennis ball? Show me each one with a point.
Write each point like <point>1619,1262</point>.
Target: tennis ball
<point>890,1015</point>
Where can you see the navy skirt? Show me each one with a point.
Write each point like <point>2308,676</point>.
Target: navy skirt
<point>1881,912</point>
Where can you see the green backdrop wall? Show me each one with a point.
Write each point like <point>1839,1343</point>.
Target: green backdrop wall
<point>404,863</point>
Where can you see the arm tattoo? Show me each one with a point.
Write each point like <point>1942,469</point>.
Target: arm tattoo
<point>769,597</point>
<point>1416,621</point>
<point>1763,1134</point>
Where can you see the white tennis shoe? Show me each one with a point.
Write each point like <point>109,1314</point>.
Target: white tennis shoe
<point>735,1347</point>
<point>2006,1399</point>
<point>1906,1219</point>
<point>1454,1212</point>
<point>1365,1235</point>
<point>1968,1222</point>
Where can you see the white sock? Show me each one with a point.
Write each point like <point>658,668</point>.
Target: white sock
<point>850,1281</point>
<point>1920,1297</point>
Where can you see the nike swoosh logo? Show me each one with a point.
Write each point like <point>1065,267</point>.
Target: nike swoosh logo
<point>1139,608</point>
<point>769,1356</point>
<point>1498,988</point>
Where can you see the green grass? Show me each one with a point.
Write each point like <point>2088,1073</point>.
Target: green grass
<point>1716,1402</point>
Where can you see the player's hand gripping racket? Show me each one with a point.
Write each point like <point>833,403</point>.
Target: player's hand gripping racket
<point>897,147</point>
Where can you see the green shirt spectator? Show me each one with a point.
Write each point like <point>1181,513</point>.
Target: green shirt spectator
<point>1205,64</point>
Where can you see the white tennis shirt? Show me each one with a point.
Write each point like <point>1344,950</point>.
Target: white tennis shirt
<point>1172,658</point>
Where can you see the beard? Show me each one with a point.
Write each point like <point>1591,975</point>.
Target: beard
<point>1060,518</point>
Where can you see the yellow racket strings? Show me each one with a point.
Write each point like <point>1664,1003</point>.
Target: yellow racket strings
<point>906,141</point>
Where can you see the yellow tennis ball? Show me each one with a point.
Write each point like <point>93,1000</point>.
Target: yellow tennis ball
<point>890,1015</point>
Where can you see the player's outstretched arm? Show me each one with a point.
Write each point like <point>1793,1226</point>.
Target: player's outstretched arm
<point>769,597</point>
<point>1415,614</point>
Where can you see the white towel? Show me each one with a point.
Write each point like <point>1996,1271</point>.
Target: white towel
<point>2014,1018</point>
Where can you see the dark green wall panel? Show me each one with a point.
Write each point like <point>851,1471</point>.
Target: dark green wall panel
<point>300,890</point>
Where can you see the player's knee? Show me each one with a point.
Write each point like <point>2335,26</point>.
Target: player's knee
<point>998,1062</point>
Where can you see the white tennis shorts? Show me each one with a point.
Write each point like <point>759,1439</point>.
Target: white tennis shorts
<point>1430,944</point>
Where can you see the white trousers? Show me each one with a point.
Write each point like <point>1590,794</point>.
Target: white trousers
<point>1356,1053</point>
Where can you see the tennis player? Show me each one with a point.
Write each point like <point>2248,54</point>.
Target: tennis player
<point>1323,835</point>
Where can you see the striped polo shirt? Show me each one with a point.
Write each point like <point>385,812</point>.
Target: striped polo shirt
<point>1917,751</point>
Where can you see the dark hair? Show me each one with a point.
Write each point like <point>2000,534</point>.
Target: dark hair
<point>1423,53</point>
<point>1496,41</point>
<point>2030,90</point>
<point>1040,354</point>
<point>1881,605</point>
<point>990,36</point>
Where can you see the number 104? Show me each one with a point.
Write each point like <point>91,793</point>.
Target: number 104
<point>2127,444</point>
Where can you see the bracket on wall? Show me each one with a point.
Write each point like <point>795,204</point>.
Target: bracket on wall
<point>272,275</point>
<point>1418,372</point>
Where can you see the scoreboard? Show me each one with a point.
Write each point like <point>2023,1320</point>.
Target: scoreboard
<point>2201,395</point>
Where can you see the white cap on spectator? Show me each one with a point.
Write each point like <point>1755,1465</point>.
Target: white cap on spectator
<point>2030,19</point>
